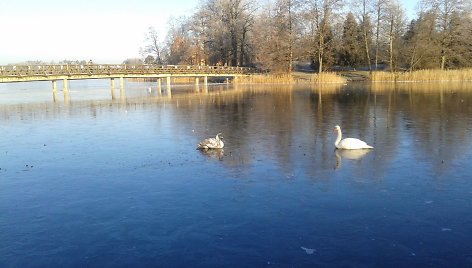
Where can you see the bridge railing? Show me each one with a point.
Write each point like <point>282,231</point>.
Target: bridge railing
<point>116,69</point>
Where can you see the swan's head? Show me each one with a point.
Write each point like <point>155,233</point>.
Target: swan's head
<point>336,128</point>
<point>219,136</point>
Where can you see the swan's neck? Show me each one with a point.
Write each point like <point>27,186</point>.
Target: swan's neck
<point>338,139</point>
<point>219,141</point>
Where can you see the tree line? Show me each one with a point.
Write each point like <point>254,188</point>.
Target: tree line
<point>323,34</point>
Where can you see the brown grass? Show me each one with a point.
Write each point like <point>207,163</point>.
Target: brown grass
<point>424,75</point>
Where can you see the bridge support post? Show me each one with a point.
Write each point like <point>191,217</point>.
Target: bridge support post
<point>112,88</point>
<point>122,90</point>
<point>168,86</point>
<point>159,87</point>
<point>65,89</point>
<point>197,86</point>
<point>205,84</point>
<point>235,79</point>
<point>54,90</point>
<point>122,94</point>
<point>65,85</point>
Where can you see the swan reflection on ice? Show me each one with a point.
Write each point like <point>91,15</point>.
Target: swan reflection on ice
<point>349,154</point>
<point>214,153</point>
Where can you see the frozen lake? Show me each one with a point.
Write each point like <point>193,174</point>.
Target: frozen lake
<point>99,182</point>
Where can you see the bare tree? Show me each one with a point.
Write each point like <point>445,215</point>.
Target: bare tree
<point>273,34</point>
<point>287,10</point>
<point>133,61</point>
<point>378,6</point>
<point>153,46</point>
<point>394,28</point>
<point>283,23</point>
<point>444,12</point>
<point>182,44</point>
<point>321,13</point>
<point>266,43</point>
<point>363,10</point>
<point>237,19</point>
<point>220,29</point>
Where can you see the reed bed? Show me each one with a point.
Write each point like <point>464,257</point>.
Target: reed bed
<point>296,77</point>
<point>327,77</point>
<point>432,86</point>
<point>174,80</point>
<point>266,78</point>
<point>423,76</point>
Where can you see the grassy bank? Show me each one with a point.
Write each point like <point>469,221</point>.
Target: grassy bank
<point>423,76</point>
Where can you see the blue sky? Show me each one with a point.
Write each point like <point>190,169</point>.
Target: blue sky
<point>106,31</point>
<point>410,7</point>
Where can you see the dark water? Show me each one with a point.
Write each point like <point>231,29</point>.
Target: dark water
<point>95,182</point>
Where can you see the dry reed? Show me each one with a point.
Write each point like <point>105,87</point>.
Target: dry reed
<point>432,86</point>
<point>296,77</point>
<point>424,75</point>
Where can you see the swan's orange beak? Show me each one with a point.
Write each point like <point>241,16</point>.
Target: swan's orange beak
<point>334,129</point>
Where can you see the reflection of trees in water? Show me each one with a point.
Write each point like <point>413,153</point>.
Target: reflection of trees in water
<point>251,121</point>
<point>50,110</point>
<point>439,123</point>
<point>432,117</point>
<point>352,107</point>
<point>293,127</point>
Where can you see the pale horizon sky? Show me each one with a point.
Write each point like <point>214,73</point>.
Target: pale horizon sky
<point>105,31</point>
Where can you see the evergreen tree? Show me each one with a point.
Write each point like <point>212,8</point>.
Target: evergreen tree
<point>350,49</point>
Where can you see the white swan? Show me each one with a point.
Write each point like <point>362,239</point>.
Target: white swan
<point>212,143</point>
<point>349,143</point>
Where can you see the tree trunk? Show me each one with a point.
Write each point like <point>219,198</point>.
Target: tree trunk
<point>290,45</point>
<point>391,46</point>
<point>443,60</point>
<point>391,55</point>
<point>320,53</point>
<point>241,48</point>
<point>377,39</point>
<point>412,59</point>
<point>234,49</point>
<point>366,41</point>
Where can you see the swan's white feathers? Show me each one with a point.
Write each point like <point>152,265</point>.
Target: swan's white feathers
<point>349,143</point>
<point>212,143</point>
<point>352,143</point>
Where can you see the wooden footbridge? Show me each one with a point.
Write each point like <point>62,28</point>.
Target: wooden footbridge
<point>24,73</point>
